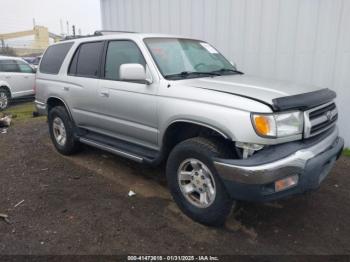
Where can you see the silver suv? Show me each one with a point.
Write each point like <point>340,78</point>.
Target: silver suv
<point>225,136</point>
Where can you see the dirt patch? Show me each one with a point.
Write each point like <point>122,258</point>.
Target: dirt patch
<point>80,205</point>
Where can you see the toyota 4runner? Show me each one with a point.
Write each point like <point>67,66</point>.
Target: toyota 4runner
<point>225,136</point>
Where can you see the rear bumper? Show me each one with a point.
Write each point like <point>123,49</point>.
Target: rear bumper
<point>253,179</point>
<point>40,107</point>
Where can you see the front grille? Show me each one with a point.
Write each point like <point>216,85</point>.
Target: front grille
<point>320,119</point>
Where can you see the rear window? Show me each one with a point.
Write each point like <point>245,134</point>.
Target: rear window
<point>53,58</point>
<point>86,60</point>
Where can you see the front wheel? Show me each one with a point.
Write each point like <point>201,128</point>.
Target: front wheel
<point>194,183</point>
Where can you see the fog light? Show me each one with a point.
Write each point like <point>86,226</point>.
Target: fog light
<point>286,183</point>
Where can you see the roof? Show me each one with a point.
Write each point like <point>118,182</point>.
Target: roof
<point>122,35</point>
<point>10,57</point>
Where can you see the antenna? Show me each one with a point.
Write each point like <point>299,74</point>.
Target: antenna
<point>61,25</point>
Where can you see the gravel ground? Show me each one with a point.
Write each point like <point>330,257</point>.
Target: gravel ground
<point>80,205</point>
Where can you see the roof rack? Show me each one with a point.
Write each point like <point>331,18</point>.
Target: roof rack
<point>103,32</point>
<point>71,37</point>
<point>97,33</point>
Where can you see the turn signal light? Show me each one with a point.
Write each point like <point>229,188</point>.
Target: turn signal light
<point>262,125</point>
<point>286,183</point>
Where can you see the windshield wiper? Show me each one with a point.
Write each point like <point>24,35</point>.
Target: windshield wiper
<point>223,70</point>
<point>186,74</point>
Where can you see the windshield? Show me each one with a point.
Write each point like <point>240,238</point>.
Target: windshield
<point>184,58</point>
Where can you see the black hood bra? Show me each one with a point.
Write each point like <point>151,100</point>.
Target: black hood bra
<point>303,101</point>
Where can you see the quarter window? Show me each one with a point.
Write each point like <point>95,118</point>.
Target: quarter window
<point>53,58</point>
<point>86,60</point>
<point>121,52</point>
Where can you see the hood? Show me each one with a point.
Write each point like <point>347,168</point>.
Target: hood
<point>280,95</point>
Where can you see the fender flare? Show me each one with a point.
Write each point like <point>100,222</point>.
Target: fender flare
<point>63,102</point>
<point>224,134</point>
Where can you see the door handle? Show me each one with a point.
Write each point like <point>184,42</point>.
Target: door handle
<point>104,93</point>
<point>65,88</point>
<point>7,77</point>
<point>26,77</point>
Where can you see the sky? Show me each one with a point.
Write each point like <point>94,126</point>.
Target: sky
<point>17,15</point>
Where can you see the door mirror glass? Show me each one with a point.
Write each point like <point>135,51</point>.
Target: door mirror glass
<point>133,72</point>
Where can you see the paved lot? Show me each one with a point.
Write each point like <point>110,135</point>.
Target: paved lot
<point>80,205</point>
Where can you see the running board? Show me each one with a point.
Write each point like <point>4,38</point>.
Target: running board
<point>111,149</point>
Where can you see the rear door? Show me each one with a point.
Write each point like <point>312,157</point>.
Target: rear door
<point>83,82</point>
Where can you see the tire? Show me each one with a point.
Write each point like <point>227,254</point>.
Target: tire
<point>215,209</point>
<point>5,98</point>
<point>66,144</point>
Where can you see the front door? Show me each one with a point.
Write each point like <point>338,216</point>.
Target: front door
<point>128,109</point>
<point>27,78</point>
<point>21,84</point>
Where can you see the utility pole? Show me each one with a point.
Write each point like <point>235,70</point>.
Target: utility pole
<point>67,28</point>
<point>61,25</point>
<point>34,24</point>
<point>73,30</point>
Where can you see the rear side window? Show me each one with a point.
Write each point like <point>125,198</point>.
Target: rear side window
<point>53,58</point>
<point>8,66</point>
<point>86,61</point>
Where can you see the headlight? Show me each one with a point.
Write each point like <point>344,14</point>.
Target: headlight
<point>278,124</point>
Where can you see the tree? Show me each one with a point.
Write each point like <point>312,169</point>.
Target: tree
<point>7,51</point>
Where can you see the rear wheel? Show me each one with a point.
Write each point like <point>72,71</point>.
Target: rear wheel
<point>4,98</point>
<point>61,129</point>
<point>194,183</point>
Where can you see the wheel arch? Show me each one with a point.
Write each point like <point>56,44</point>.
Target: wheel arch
<point>182,129</point>
<point>7,87</point>
<point>53,101</point>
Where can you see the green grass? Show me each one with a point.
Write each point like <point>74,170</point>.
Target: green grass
<point>21,112</point>
<point>346,152</point>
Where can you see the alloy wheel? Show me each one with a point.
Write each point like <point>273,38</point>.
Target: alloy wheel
<point>197,183</point>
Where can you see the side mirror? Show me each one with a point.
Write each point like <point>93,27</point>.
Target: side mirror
<point>133,72</point>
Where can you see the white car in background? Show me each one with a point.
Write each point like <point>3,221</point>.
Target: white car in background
<point>17,80</point>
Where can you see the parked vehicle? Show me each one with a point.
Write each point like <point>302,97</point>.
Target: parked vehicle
<point>17,79</point>
<point>225,136</point>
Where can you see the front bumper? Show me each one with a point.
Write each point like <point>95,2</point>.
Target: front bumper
<point>253,179</point>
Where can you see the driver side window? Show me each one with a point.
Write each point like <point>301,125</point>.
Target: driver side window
<point>121,52</point>
<point>24,68</point>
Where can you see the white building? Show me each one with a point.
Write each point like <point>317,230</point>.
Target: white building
<point>306,41</point>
